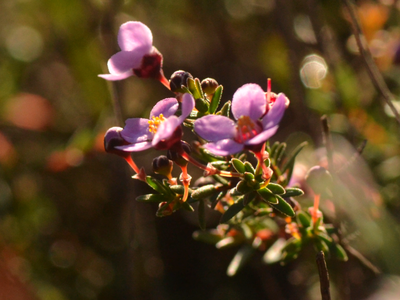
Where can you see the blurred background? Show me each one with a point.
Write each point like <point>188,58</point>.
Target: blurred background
<point>70,227</point>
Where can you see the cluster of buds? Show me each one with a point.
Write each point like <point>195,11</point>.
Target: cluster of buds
<point>256,201</point>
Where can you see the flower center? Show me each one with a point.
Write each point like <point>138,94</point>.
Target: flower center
<point>155,122</point>
<point>246,129</point>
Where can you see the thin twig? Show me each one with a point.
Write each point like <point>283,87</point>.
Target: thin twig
<point>374,74</point>
<point>323,276</point>
<point>327,141</point>
<point>362,259</point>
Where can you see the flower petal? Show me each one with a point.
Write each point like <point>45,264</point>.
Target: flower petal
<point>275,114</point>
<point>113,77</point>
<point>136,130</point>
<point>167,107</point>
<point>215,128</point>
<point>224,147</point>
<point>135,35</point>
<point>262,136</point>
<point>166,129</point>
<point>249,100</point>
<point>135,147</point>
<point>187,106</point>
<point>124,61</point>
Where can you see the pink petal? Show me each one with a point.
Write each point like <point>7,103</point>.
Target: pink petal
<point>166,129</point>
<point>187,106</point>
<point>135,147</point>
<point>224,147</point>
<point>167,107</point>
<point>134,35</point>
<point>215,128</point>
<point>136,130</point>
<point>262,136</point>
<point>249,100</point>
<point>113,77</point>
<point>124,61</point>
<point>275,114</point>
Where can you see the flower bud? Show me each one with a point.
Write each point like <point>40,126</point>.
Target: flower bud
<point>179,78</point>
<point>178,159</point>
<point>319,179</point>
<point>113,138</point>
<point>209,85</point>
<point>162,165</point>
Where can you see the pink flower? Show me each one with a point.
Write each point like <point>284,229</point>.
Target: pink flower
<point>161,130</point>
<point>256,121</point>
<point>137,57</point>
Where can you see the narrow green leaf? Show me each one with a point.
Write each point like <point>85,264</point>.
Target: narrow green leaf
<point>198,87</point>
<point>293,192</point>
<point>177,189</point>
<point>283,207</point>
<point>280,150</point>
<point>152,198</point>
<point>240,259</point>
<point>249,167</point>
<point>324,237</point>
<point>201,105</point>
<point>209,237</point>
<point>204,191</point>
<point>303,219</point>
<point>156,185</point>
<point>202,215</point>
<point>340,253</point>
<point>225,109</point>
<point>249,197</point>
<point>248,176</point>
<point>274,253</point>
<point>247,232</point>
<point>268,196</point>
<point>320,245</point>
<point>232,211</point>
<point>193,89</point>
<point>243,188</point>
<point>273,149</point>
<point>276,188</point>
<point>238,165</point>
<point>290,163</point>
<point>216,99</point>
<point>187,206</point>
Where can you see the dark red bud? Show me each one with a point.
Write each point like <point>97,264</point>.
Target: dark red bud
<point>171,141</point>
<point>209,85</point>
<point>112,139</point>
<point>162,165</point>
<point>179,78</point>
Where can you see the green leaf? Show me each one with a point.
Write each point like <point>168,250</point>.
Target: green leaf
<point>243,188</point>
<point>238,165</point>
<point>193,89</point>
<point>303,219</point>
<point>283,207</point>
<point>187,206</point>
<point>324,237</point>
<point>293,192</point>
<point>249,167</point>
<point>198,87</point>
<point>248,176</point>
<point>240,259</point>
<point>320,245</point>
<point>177,189</point>
<point>202,215</point>
<point>210,237</point>
<point>225,109</point>
<point>204,191</point>
<point>249,197</point>
<point>247,232</point>
<point>268,196</point>
<point>201,105</point>
<point>274,253</point>
<point>273,149</point>
<point>156,185</point>
<point>280,150</point>
<point>276,188</point>
<point>232,211</point>
<point>216,99</point>
<point>340,253</point>
<point>290,163</point>
<point>152,198</point>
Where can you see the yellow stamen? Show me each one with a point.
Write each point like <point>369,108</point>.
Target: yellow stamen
<point>155,122</point>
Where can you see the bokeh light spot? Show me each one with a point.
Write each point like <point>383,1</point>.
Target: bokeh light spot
<point>313,71</point>
<point>24,43</point>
